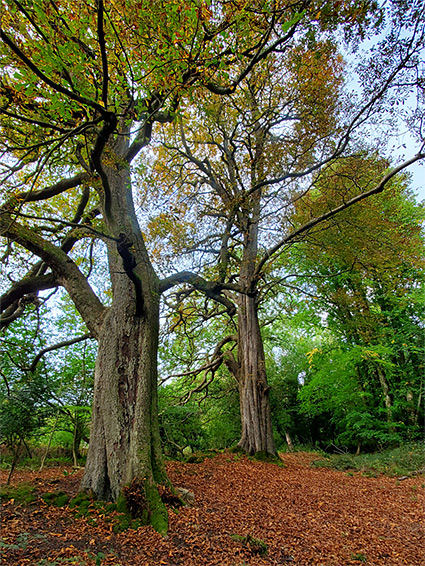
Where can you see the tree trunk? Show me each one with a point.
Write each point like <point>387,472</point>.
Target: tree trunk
<point>52,432</point>
<point>77,436</point>
<point>257,432</point>
<point>289,441</point>
<point>386,392</point>
<point>124,449</point>
<point>124,442</point>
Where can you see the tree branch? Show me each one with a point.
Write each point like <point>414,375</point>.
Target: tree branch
<point>66,271</point>
<point>29,284</point>
<point>104,57</point>
<point>96,158</point>
<point>262,53</point>
<point>48,192</point>
<point>55,86</point>
<point>211,289</point>
<point>151,116</point>
<point>63,344</point>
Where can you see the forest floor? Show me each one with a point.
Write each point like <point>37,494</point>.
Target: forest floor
<point>305,515</point>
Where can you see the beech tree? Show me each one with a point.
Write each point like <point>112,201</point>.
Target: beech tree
<point>231,152</point>
<point>235,171</point>
<point>83,87</point>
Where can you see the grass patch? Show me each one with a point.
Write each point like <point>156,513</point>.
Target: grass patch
<point>401,461</point>
<point>359,557</point>
<point>56,498</point>
<point>21,543</point>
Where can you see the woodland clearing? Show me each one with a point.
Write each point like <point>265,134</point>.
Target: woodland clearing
<point>305,515</point>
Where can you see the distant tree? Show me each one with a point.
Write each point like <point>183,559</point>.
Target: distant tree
<point>44,380</point>
<point>191,422</point>
<point>24,395</point>
<point>72,397</point>
<point>292,331</point>
<point>366,271</point>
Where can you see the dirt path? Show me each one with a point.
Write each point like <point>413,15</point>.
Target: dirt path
<point>306,516</point>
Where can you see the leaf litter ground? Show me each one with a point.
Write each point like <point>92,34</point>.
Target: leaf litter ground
<point>306,516</point>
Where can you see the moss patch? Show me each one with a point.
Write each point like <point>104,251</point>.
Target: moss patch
<point>141,504</point>
<point>158,512</point>
<point>23,493</point>
<point>83,503</point>
<point>255,545</point>
<point>56,498</point>
<point>199,457</point>
<point>264,456</point>
<point>261,455</point>
<point>236,450</point>
<point>138,505</point>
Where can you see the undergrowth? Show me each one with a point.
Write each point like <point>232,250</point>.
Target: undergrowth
<point>402,461</point>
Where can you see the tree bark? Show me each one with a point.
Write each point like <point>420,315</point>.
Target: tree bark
<point>124,440</point>
<point>124,449</point>
<point>257,432</point>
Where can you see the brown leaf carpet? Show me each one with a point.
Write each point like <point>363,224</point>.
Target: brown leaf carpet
<point>307,516</point>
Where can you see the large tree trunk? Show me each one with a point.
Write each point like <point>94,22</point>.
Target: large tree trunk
<point>124,449</point>
<point>250,368</point>
<point>257,432</point>
<point>124,441</point>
